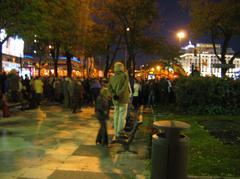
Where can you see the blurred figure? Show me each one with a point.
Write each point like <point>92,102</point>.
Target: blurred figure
<point>4,105</point>
<point>152,93</point>
<point>77,97</point>
<point>57,90</point>
<point>95,89</point>
<point>38,88</point>
<point>66,95</point>
<point>3,79</point>
<point>136,91</point>
<point>102,113</point>
<point>13,85</point>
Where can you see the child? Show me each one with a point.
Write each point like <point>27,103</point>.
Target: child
<point>4,105</point>
<point>102,113</point>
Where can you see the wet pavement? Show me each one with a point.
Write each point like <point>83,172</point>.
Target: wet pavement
<point>51,142</point>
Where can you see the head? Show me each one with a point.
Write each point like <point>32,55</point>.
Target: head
<point>118,67</point>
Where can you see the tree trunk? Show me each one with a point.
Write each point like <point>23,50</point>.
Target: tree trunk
<point>40,63</point>
<point>69,64</point>
<point>223,72</point>
<point>131,62</point>
<point>56,56</point>
<point>107,67</point>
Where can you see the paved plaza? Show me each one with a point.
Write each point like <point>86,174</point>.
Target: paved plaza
<point>51,142</point>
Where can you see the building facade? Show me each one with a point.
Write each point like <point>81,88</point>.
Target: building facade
<point>203,58</point>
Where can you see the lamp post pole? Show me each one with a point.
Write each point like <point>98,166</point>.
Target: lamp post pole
<point>126,50</point>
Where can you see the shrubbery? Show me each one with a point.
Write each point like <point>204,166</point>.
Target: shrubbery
<point>208,95</point>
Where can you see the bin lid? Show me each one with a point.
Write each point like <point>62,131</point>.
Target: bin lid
<point>171,124</point>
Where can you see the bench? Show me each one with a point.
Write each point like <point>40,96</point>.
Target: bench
<point>126,138</point>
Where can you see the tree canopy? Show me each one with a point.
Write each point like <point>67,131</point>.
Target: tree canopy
<point>87,28</point>
<point>21,18</point>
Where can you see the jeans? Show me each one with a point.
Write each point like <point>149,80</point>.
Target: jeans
<point>102,136</point>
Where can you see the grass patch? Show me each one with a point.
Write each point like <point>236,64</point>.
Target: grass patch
<point>214,143</point>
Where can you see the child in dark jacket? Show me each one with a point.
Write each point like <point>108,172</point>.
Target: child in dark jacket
<point>102,113</point>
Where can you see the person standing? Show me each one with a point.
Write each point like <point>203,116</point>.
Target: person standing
<point>3,78</point>
<point>136,91</point>
<point>119,90</point>
<point>95,89</point>
<point>102,114</point>
<point>38,87</point>
<point>66,95</point>
<point>77,97</point>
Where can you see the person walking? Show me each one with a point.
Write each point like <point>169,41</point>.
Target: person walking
<point>102,114</point>
<point>119,90</point>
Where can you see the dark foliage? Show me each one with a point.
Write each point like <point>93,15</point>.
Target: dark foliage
<point>201,95</point>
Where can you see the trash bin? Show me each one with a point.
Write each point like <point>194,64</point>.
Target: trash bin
<point>169,150</point>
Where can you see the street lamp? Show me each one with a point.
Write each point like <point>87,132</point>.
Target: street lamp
<point>181,35</point>
<point>126,50</point>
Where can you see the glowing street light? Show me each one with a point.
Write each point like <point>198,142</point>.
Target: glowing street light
<point>158,68</point>
<point>181,35</point>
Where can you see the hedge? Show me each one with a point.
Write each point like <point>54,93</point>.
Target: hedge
<point>207,95</point>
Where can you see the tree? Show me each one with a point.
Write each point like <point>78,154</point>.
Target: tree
<point>134,17</point>
<point>220,20</point>
<point>104,37</point>
<point>19,18</point>
<point>68,21</point>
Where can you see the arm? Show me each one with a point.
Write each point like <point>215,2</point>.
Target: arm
<point>110,89</point>
<point>125,86</point>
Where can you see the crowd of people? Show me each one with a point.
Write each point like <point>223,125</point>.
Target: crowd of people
<point>75,93</point>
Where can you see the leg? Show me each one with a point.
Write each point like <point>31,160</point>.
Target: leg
<point>122,117</point>
<point>104,133</point>
<point>116,119</point>
<point>99,137</point>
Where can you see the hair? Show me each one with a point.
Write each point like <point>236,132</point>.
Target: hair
<point>118,66</point>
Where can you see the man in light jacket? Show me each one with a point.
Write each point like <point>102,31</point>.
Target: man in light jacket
<point>119,89</point>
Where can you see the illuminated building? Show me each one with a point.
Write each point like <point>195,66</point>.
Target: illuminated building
<point>202,58</point>
<point>12,52</point>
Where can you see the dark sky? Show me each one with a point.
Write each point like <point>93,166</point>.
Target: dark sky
<point>174,19</point>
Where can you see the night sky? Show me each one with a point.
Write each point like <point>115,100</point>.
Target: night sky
<point>174,19</point>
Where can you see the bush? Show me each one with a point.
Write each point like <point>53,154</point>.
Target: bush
<point>207,95</point>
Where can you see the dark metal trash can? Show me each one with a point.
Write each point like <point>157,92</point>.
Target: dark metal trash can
<point>169,151</point>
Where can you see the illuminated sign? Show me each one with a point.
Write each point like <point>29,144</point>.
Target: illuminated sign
<point>8,66</point>
<point>13,46</point>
